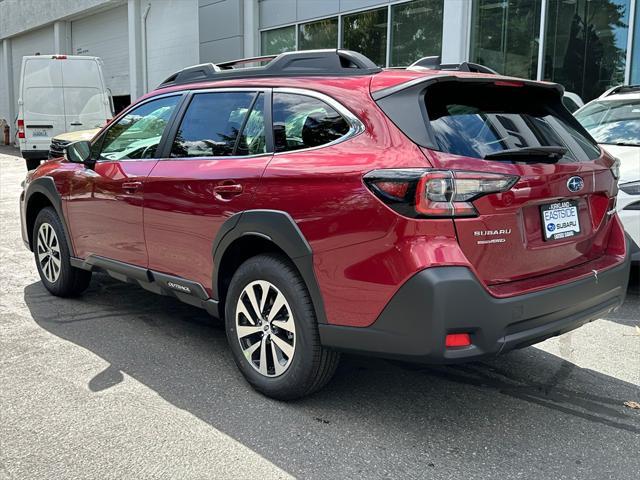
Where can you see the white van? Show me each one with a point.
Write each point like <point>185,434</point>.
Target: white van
<point>59,93</point>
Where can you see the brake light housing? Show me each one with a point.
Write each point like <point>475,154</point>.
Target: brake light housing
<point>430,193</point>
<point>21,128</point>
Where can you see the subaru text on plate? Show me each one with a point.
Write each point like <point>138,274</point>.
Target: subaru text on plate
<point>321,204</point>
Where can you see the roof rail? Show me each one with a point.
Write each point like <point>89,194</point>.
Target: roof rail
<point>621,89</point>
<point>434,63</point>
<point>300,63</point>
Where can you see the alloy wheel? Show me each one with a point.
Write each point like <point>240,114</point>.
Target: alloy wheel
<point>265,328</point>
<point>48,250</point>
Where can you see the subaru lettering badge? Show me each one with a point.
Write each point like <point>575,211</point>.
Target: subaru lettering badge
<point>575,184</point>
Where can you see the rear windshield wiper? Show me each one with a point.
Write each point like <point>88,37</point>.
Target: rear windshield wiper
<point>550,154</point>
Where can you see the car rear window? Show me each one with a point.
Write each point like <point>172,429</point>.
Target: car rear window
<point>476,120</point>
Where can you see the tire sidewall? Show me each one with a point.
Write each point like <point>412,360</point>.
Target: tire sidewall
<point>278,273</point>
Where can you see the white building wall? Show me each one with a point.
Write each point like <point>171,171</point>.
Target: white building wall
<point>17,16</point>
<point>171,38</point>
<point>104,35</point>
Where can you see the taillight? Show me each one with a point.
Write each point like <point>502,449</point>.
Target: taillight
<point>20,128</point>
<point>435,193</point>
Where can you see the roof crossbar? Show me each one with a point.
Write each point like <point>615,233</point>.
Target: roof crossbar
<point>434,63</point>
<point>335,62</point>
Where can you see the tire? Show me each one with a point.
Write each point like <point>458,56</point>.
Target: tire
<point>304,366</point>
<point>52,257</point>
<point>32,163</point>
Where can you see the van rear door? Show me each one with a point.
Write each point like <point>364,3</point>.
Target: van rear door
<point>86,103</point>
<point>42,102</point>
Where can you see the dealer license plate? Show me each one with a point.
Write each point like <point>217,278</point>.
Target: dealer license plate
<point>560,220</point>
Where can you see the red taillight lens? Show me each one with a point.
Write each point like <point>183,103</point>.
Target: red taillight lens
<point>435,193</point>
<point>20,128</point>
<point>457,340</point>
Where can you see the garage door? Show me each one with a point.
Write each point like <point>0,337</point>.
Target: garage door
<point>38,41</point>
<point>105,35</point>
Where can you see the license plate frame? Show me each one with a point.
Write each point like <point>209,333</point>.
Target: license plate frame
<point>560,220</point>
<point>39,132</point>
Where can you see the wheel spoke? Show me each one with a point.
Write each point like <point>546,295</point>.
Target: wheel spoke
<point>279,368</point>
<point>244,331</point>
<point>243,309</point>
<point>264,286</point>
<point>282,345</point>
<point>249,351</point>
<point>278,303</point>
<point>287,325</point>
<point>56,261</point>
<point>263,357</point>
<point>254,301</point>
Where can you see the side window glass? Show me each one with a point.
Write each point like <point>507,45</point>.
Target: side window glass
<point>211,124</point>
<point>252,140</point>
<point>138,133</point>
<point>303,122</point>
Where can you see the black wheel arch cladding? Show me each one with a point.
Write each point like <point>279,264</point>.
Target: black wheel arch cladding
<point>45,186</point>
<point>279,228</point>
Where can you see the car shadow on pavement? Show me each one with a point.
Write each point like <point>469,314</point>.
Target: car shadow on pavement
<point>428,414</point>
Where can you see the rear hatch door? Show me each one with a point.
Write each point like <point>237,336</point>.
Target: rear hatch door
<point>555,216</point>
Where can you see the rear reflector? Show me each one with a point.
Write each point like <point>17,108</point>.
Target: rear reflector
<point>507,83</point>
<point>457,340</point>
<point>20,128</point>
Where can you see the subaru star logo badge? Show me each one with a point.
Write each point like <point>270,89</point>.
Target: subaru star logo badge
<point>575,184</point>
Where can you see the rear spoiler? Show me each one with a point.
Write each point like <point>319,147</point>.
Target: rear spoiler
<point>424,82</point>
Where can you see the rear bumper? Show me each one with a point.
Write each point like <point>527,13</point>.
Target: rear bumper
<point>443,300</point>
<point>35,154</point>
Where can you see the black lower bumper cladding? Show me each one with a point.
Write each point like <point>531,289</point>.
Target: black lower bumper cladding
<point>443,300</point>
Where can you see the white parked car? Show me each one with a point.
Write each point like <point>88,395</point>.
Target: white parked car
<point>613,120</point>
<point>58,93</point>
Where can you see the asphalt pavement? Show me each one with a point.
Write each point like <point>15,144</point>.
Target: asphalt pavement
<point>123,384</point>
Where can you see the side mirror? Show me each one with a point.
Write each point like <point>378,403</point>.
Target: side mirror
<point>79,152</point>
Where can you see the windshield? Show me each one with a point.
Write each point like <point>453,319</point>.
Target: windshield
<point>612,121</point>
<point>482,120</point>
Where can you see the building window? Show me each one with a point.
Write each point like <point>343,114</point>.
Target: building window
<point>505,36</point>
<point>321,34</point>
<point>366,32</point>
<point>586,44</point>
<point>416,31</point>
<point>278,40</point>
<point>635,49</point>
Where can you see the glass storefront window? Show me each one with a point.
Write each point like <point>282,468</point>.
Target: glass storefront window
<point>366,32</point>
<point>586,44</point>
<point>321,34</point>
<point>416,31</point>
<point>278,40</point>
<point>505,36</point>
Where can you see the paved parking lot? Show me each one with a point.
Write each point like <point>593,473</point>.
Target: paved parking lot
<point>121,383</point>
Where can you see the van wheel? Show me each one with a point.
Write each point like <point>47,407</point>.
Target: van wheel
<point>272,330</point>
<point>32,163</point>
<point>53,258</point>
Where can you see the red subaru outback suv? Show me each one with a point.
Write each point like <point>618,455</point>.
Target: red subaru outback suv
<point>321,204</point>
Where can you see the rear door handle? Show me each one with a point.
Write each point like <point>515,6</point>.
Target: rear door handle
<point>228,189</point>
<point>131,186</point>
<point>76,124</point>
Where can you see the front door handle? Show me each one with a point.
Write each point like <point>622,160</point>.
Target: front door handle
<point>131,187</point>
<point>228,189</point>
